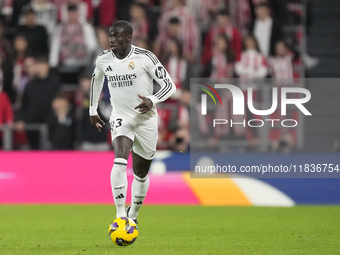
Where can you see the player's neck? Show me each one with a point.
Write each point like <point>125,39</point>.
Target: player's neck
<point>124,52</point>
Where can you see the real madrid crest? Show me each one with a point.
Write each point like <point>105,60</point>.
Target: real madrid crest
<point>131,65</point>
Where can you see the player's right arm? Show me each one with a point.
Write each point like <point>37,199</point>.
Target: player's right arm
<point>96,89</point>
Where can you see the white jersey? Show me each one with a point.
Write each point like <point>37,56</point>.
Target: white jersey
<point>127,78</point>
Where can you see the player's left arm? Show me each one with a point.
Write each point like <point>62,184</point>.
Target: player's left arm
<point>162,77</point>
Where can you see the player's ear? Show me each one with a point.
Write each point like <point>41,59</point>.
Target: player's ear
<point>128,38</point>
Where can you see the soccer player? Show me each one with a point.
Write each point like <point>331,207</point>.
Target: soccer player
<point>130,71</point>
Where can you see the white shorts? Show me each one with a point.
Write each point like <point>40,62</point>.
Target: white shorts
<point>143,135</point>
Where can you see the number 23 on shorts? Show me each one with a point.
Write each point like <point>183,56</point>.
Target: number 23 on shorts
<point>118,123</point>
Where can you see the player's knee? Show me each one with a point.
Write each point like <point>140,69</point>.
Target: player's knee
<point>122,153</point>
<point>121,147</point>
<point>142,177</point>
<point>142,174</point>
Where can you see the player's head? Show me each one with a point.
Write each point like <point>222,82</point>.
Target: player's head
<point>120,34</point>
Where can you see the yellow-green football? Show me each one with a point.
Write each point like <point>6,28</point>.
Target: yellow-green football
<point>123,231</point>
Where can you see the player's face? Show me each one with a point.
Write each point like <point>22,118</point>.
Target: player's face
<point>118,39</point>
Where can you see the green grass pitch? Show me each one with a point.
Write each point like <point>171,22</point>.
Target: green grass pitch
<point>82,230</point>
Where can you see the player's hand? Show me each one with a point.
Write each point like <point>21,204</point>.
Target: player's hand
<point>144,106</point>
<point>97,121</point>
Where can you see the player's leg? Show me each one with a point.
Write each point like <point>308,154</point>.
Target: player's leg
<point>122,142</point>
<point>121,147</point>
<point>144,148</point>
<point>140,183</point>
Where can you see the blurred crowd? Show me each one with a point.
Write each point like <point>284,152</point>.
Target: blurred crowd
<point>48,49</point>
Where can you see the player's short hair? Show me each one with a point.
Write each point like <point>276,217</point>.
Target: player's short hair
<point>174,21</point>
<point>223,12</point>
<point>125,25</point>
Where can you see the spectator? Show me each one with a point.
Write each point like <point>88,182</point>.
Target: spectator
<point>188,32</point>
<point>6,9</point>
<point>36,34</point>
<point>225,27</point>
<point>252,64</point>
<point>102,39</point>
<point>139,22</point>
<point>6,112</point>
<point>241,12</point>
<point>205,12</point>
<point>172,32</point>
<point>21,48</point>
<point>152,14</point>
<point>104,44</point>
<point>61,124</point>
<point>73,46</point>
<point>250,68</point>
<point>6,49</point>
<point>104,12</point>
<point>35,107</point>
<point>29,70</point>
<point>266,30</point>
<point>180,114</point>
<point>46,13</point>
<point>177,66</point>
<point>11,11</point>
<point>222,62</point>
<point>281,66</point>
<point>174,124</point>
<point>84,7</point>
<point>6,67</point>
<point>181,140</point>
<point>90,138</point>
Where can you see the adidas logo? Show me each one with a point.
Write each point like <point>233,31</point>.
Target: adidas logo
<point>120,196</point>
<point>138,203</point>
<point>108,69</point>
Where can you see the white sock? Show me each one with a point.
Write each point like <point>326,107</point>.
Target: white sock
<point>119,185</point>
<point>139,189</point>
